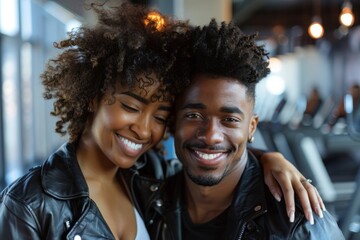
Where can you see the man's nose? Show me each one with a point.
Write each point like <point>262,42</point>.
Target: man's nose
<point>210,132</point>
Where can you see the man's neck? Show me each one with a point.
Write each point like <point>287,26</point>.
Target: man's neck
<point>204,203</point>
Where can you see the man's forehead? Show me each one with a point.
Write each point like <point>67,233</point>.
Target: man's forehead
<point>227,94</point>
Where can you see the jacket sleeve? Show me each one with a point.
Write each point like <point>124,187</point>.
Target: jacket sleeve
<point>324,228</point>
<point>16,220</point>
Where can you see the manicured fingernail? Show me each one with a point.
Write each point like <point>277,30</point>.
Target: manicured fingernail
<point>324,208</point>
<point>292,217</point>
<point>321,214</point>
<point>311,219</point>
<point>277,197</point>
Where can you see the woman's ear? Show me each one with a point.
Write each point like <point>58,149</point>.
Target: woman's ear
<point>92,106</point>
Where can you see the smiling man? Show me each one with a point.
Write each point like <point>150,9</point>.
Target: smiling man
<point>221,194</point>
<point>213,121</point>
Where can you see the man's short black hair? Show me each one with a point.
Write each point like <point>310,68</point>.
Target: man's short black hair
<point>226,51</point>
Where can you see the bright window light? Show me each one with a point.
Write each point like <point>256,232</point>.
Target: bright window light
<point>275,65</point>
<point>9,17</point>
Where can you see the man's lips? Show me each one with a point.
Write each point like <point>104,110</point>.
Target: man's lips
<point>209,158</point>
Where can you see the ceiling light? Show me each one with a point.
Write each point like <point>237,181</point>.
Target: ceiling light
<point>316,30</point>
<point>346,16</point>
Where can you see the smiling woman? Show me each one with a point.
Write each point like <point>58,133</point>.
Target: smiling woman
<point>125,129</point>
<point>112,86</point>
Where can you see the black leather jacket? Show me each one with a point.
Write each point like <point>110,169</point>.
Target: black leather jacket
<point>52,201</point>
<point>254,213</point>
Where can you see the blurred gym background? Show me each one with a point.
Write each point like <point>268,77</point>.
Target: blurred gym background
<point>308,105</point>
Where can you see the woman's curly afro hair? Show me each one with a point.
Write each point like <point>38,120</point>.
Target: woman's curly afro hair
<point>127,41</point>
<point>226,51</point>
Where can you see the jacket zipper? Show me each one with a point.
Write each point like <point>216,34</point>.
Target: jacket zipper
<point>242,231</point>
<point>243,223</point>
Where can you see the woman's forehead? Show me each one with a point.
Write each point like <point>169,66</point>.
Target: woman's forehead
<point>144,86</point>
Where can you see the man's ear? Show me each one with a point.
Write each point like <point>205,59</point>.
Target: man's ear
<point>253,124</point>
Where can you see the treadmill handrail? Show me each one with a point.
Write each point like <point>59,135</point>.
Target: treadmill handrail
<point>349,109</point>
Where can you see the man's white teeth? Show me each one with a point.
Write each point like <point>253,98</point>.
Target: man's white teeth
<point>130,144</point>
<point>208,156</point>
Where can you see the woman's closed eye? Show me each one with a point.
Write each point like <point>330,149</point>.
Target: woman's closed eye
<point>162,120</point>
<point>129,108</point>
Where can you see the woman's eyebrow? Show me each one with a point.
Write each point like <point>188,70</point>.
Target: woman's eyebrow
<point>137,97</point>
<point>145,101</point>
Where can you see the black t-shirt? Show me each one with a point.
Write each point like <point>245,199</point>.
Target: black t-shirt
<point>212,230</point>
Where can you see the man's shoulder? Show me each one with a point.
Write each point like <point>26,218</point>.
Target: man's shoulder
<point>277,223</point>
<point>323,228</point>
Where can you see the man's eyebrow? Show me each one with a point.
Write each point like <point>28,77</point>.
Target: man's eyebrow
<point>231,110</point>
<point>193,106</point>
<point>203,106</point>
<point>224,109</point>
<point>137,97</point>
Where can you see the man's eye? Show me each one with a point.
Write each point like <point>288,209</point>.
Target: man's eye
<point>231,119</point>
<point>193,115</point>
<point>128,108</point>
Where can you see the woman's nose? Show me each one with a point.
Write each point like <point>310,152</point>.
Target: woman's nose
<point>142,127</point>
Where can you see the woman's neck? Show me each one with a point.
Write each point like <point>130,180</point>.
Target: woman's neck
<point>93,163</point>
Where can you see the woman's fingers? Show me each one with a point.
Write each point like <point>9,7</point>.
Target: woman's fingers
<point>288,192</point>
<point>308,199</point>
<point>308,195</point>
<point>284,180</point>
<point>273,187</point>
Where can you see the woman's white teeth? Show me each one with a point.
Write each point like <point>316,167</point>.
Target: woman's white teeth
<point>130,144</point>
<point>208,156</point>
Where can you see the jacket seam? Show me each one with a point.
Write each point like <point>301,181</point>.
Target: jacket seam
<point>10,198</point>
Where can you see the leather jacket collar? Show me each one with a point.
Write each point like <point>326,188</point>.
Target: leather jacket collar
<point>61,175</point>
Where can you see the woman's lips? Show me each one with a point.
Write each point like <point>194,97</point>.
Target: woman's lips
<point>129,147</point>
